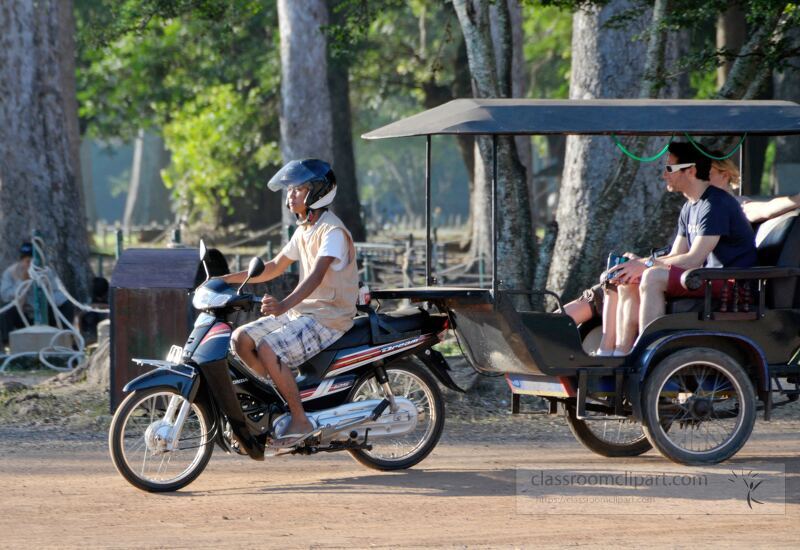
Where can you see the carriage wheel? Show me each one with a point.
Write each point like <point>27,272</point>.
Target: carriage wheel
<point>611,438</point>
<point>699,406</point>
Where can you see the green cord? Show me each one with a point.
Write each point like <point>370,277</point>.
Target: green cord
<point>729,155</point>
<point>642,159</point>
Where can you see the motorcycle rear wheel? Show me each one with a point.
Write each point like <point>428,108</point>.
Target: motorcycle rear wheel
<point>135,450</point>
<point>412,382</point>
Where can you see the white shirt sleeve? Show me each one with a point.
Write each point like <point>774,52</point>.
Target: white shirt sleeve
<point>290,250</point>
<point>334,244</point>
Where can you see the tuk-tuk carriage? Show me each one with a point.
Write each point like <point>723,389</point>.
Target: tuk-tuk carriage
<point>691,384</point>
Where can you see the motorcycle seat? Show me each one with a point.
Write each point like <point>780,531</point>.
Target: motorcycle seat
<point>400,321</point>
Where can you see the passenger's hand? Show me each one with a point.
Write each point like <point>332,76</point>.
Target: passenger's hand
<point>271,306</point>
<point>628,273</point>
<point>631,256</point>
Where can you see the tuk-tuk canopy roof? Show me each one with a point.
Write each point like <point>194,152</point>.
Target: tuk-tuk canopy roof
<point>597,117</point>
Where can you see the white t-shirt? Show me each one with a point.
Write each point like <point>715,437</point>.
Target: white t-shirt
<point>333,244</point>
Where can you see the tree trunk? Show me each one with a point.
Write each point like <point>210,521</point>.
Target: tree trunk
<point>347,205</point>
<point>306,121</point>
<point>515,259</point>
<point>517,77</point>
<point>731,34</point>
<point>786,170</point>
<point>601,198</point>
<point>40,184</point>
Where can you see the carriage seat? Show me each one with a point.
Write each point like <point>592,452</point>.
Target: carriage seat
<point>777,244</point>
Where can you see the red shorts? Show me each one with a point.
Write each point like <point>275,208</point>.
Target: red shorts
<point>676,290</point>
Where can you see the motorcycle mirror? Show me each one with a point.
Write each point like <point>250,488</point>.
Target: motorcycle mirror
<point>203,250</point>
<point>254,269</point>
<point>203,254</point>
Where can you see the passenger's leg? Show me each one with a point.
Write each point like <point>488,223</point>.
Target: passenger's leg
<point>653,287</point>
<point>609,338</point>
<point>627,317</point>
<point>579,310</point>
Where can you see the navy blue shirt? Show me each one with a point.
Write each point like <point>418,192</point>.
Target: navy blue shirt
<point>717,212</point>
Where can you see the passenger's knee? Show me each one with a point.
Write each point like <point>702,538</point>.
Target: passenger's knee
<point>654,279</point>
<point>627,291</point>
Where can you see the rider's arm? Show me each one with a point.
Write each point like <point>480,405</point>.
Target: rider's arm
<point>695,257</point>
<point>272,269</point>
<point>308,285</point>
<point>759,211</point>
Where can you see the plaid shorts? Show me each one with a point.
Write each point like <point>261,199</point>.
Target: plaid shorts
<point>292,338</point>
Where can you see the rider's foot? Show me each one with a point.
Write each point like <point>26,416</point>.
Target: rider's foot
<point>295,432</point>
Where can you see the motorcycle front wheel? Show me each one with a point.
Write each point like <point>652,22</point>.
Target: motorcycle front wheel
<point>140,440</point>
<point>412,382</point>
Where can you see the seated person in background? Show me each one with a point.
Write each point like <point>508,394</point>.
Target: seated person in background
<point>712,232</point>
<point>16,275</point>
<point>760,211</point>
<point>724,174</point>
<point>601,299</point>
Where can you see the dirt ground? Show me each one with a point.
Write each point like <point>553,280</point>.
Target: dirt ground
<point>58,488</point>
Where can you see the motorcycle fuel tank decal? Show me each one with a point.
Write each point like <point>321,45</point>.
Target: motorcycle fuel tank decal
<point>355,360</point>
<point>328,387</point>
<point>214,345</point>
<point>220,330</point>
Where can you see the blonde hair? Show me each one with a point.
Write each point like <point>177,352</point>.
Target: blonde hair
<point>729,167</point>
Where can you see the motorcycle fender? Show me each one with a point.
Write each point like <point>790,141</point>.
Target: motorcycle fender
<point>436,362</point>
<point>181,378</point>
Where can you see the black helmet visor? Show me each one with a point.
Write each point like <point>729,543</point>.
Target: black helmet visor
<point>293,174</point>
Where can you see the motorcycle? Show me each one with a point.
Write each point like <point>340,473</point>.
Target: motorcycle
<point>363,394</point>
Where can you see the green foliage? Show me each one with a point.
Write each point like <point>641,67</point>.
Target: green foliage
<point>216,145</point>
<point>704,83</point>
<point>548,50</point>
<point>206,72</point>
<point>766,187</point>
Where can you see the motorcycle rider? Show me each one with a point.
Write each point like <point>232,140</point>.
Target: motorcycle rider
<point>322,306</point>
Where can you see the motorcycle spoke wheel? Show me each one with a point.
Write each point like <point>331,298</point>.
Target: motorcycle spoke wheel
<point>415,384</point>
<point>140,437</point>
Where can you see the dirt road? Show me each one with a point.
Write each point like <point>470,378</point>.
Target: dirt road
<point>61,490</point>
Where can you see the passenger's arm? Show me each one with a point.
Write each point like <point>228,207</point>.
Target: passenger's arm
<point>695,257</point>
<point>271,306</point>
<point>759,211</point>
<point>272,269</point>
<point>679,246</point>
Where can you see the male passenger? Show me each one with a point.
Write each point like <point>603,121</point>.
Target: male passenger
<point>712,232</point>
<point>322,306</point>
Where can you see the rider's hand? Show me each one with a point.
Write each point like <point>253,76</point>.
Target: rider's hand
<point>272,306</point>
<point>631,256</point>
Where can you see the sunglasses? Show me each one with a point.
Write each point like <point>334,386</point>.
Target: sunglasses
<point>672,168</point>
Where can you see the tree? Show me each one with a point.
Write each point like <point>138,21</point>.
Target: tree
<point>40,185</point>
<point>205,75</point>
<point>306,120</point>
<point>347,205</point>
<point>616,52</point>
<point>515,244</point>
